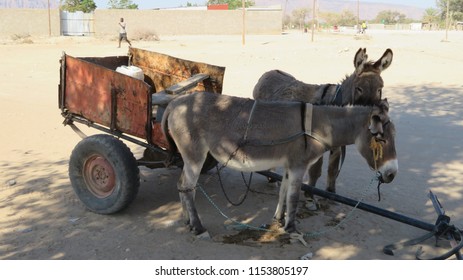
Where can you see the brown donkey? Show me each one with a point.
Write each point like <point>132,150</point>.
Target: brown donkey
<point>249,135</point>
<point>363,87</point>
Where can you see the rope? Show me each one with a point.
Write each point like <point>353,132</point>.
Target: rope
<point>377,149</point>
<point>309,234</point>
<point>349,215</point>
<point>248,187</point>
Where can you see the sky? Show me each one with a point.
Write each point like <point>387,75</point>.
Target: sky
<point>151,4</point>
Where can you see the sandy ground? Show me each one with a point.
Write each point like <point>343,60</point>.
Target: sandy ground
<point>41,218</point>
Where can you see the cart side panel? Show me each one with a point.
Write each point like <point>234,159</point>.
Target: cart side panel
<point>106,97</point>
<point>163,71</point>
<point>110,62</point>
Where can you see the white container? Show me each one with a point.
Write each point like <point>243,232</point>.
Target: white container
<point>132,71</point>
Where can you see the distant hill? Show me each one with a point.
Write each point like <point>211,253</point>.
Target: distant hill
<point>367,10</point>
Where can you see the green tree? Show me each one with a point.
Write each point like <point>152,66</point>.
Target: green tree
<point>390,17</point>
<point>455,9</point>
<point>122,4</point>
<point>431,15</point>
<point>232,4</point>
<point>86,6</point>
<point>345,18</point>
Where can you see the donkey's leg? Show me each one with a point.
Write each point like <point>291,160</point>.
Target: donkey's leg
<point>314,172</point>
<point>187,191</point>
<point>279,212</point>
<point>333,169</point>
<point>292,197</point>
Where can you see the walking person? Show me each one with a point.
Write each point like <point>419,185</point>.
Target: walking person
<point>123,32</point>
<point>364,27</point>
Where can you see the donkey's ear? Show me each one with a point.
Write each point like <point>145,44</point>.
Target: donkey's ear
<point>360,58</point>
<point>384,104</point>
<point>385,61</point>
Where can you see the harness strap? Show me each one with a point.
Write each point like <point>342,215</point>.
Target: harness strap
<point>308,118</point>
<point>254,105</point>
<point>306,130</point>
<point>337,100</point>
<point>257,142</point>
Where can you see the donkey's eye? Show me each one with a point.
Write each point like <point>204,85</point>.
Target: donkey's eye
<point>359,90</point>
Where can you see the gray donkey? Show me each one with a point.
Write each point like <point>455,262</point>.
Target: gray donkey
<point>363,87</point>
<point>249,135</point>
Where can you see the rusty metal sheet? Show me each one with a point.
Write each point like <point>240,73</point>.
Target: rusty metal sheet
<point>163,71</point>
<point>92,89</point>
<point>106,97</point>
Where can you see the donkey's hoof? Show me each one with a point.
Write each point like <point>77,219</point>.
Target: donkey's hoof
<point>331,189</point>
<point>291,228</point>
<point>196,230</point>
<point>204,236</point>
<point>277,222</point>
<point>311,204</point>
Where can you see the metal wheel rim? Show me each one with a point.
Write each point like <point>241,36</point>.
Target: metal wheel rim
<point>99,176</point>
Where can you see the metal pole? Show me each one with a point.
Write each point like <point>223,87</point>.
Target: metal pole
<point>49,20</point>
<point>243,36</point>
<point>363,206</point>
<point>284,14</point>
<point>313,18</point>
<point>447,23</point>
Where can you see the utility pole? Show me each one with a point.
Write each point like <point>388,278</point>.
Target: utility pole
<point>49,20</point>
<point>313,18</point>
<point>358,13</point>
<point>243,37</point>
<point>447,23</point>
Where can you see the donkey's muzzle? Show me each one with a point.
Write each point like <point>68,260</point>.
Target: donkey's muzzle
<point>388,171</point>
<point>387,178</point>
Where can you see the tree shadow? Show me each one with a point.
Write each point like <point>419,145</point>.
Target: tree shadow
<point>43,219</point>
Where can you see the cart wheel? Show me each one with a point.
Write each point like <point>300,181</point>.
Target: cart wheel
<point>104,174</point>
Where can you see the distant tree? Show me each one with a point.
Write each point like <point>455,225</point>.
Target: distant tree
<point>431,18</point>
<point>390,17</point>
<point>286,20</point>
<point>122,4</point>
<point>330,18</point>
<point>345,18</point>
<point>299,16</point>
<point>455,9</point>
<point>431,15</point>
<point>86,6</point>
<point>232,4</point>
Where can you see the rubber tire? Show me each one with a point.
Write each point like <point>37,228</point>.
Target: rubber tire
<point>124,167</point>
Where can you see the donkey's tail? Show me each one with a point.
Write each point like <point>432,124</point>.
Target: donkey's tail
<point>165,129</point>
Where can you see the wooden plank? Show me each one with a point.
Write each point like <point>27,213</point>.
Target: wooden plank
<point>186,84</point>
